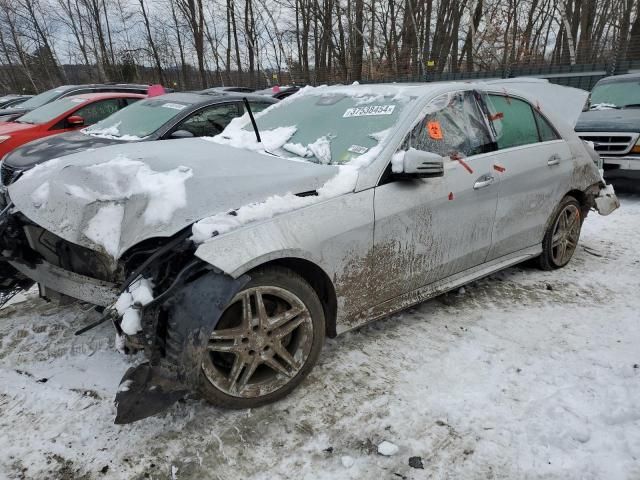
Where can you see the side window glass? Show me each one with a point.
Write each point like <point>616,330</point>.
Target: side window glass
<point>257,106</point>
<point>453,124</point>
<point>98,110</point>
<point>210,121</point>
<point>513,121</point>
<point>547,132</point>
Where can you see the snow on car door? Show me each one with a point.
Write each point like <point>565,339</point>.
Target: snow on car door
<point>531,160</point>
<point>432,228</point>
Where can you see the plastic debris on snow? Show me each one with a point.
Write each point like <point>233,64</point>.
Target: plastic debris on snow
<point>130,302</point>
<point>387,449</point>
<point>122,178</point>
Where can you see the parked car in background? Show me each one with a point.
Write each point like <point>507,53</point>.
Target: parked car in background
<point>231,89</point>
<point>12,100</point>
<point>175,115</point>
<point>279,92</point>
<point>64,115</point>
<point>67,91</point>
<point>612,123</point>
<point>229,261</point>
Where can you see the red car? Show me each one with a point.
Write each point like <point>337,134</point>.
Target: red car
<point>64,115</point>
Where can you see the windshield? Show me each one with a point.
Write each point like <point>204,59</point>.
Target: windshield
<point>138,120</point>
<point>52,110</point>
<point>43,98</point>
<point>616,94</point>
<point>333,128</point>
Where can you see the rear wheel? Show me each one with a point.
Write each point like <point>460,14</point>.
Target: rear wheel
<point>267,341</point>
<point>561,239</point>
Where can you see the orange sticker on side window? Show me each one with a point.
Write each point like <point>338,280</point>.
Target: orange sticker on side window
<point>435,131</point>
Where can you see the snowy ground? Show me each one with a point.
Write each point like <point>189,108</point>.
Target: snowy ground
<point>526,374</point>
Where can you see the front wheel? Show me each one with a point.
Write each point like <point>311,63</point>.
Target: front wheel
<point>267,341</point>
<point>561,238</point>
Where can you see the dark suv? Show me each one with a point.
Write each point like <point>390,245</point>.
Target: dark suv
<point>612,122</point>
<point>9,114</point>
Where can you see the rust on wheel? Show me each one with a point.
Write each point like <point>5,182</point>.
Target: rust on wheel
<point>261,342</point>
<point>566,232</point>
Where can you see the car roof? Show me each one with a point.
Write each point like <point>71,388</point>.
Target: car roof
<point>108,95</point>
<point>102,85</point>
<point>620,78</point>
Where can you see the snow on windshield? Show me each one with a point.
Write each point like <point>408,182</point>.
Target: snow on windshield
<point>347,126</point>
<point>111,132</point>
<point>341,183</point>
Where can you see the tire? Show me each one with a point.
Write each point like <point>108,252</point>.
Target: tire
<point>252,360</point>
<point>561,238</point>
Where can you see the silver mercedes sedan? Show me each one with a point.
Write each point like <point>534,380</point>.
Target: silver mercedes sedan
<point>228,260</point>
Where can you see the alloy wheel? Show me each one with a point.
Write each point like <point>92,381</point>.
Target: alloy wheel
<point>261,342</point>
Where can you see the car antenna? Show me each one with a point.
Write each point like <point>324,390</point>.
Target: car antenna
<point>253,120</point>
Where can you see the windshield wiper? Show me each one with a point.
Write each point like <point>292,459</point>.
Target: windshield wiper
<point>632,105</point>
<point>253,120</point>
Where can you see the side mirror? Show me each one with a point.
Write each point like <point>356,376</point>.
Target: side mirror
<point>181,134</point>
<point>419,164</point>
<point>75,121</point>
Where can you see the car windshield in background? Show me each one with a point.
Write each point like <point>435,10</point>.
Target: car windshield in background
<point>620,94</point>
<point>50,111</point>
<point>41,99</point>
<point>332,128</point>
<point>138,120</point>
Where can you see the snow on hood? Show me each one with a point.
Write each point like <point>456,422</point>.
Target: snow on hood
<point>120,195</point>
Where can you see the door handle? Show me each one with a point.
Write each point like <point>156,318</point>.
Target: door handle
<point>553,160</point>
<point>483,181</point>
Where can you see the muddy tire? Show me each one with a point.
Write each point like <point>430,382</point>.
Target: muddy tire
<point>267,341</point>
<point>561,238</point>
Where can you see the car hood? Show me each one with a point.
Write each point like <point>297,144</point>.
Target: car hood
<point>124,194</point>
<point>611,120</point>
<point>14,127</point>
<point>54,146</point>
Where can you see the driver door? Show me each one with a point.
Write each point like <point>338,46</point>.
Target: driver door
<point>429,229</point>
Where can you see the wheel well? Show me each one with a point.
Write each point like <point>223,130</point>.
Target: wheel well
<point>581,197</point>
<point>319,281</point>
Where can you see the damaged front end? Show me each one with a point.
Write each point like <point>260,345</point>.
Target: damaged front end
<point>176,327</point>
<point>175,322</point>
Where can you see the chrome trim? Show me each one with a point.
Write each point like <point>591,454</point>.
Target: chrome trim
<point>626,144</point>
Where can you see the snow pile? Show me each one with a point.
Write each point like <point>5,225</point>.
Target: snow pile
<point>104,228</point>
<point>603,106</point>
<point>112,133</point>
<point>397,162</point>
<point>236,136</point>
<point>130,302</point>
<point>321,149</point>
<point>40,195</point>
<point>122,178</point>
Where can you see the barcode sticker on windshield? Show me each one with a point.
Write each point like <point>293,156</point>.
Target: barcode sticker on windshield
<point>369,110</point>
<point>357,149</point>
<point>175,106</point>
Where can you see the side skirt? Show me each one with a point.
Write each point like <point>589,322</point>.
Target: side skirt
<point>436,288</point>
